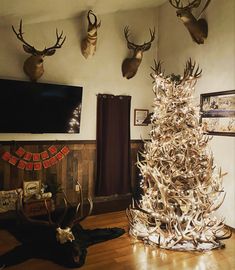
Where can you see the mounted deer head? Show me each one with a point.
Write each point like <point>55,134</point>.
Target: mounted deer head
<point>88,45</point>
<point>33,66</point>
<point>130,65</point>
<point>198,29</point>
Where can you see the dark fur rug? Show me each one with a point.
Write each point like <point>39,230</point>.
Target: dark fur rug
<point>40,242</point>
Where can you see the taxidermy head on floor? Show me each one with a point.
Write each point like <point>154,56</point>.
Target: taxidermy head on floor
<point>64,242</point>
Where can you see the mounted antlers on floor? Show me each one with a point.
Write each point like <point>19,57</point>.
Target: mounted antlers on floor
<point>63,227</point>
<point>63,241</point>
<point>88,45</point>
<point>198,29</point>
<point>33,66</point>
<point>131,65</point>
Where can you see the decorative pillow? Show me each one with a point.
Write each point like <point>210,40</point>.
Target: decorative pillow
<point>8,199</point>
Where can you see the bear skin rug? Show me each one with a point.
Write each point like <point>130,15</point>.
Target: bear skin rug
<point>39,241</point>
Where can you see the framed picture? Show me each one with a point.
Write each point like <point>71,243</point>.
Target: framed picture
<point>139,117</point>
<point>31,188</point>
<point>218,113</point>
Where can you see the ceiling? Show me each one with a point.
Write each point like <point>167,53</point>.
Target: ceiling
<point>35,11</point>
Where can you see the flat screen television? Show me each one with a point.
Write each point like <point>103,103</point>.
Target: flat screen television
<point>29,107</point>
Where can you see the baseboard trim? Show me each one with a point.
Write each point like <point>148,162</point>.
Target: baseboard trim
<point>111,205</point>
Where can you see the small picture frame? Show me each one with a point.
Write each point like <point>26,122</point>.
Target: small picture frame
<point>139,117</point>
<point>31,188</point>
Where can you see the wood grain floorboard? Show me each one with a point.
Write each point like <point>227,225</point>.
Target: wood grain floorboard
<point>124,253</point>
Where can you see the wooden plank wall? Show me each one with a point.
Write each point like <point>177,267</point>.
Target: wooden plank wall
<point>79,164</point>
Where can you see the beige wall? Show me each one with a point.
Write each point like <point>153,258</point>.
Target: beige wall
<point>217,60</point>
<point>100,74</point>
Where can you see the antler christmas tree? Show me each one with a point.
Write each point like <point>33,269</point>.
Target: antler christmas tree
<point>180,183</point>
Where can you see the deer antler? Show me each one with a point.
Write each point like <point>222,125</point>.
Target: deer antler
<point>75,219</point>
<point>158,68</point>
<point>88,17</point>
<point>206,5</point>
<point>19,35</point>
<point>58,44</point>
<point>20,210</point>
<point>130,45</point>
<point>47,51</point>
<point>190,5</point>
<point>145,46</point>
<point>189,72</point>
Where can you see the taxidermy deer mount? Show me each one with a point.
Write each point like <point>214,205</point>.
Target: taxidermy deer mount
<point>131,65</point>
<point>33,66</point>
<point>197,28</point>
<point>88,45</point>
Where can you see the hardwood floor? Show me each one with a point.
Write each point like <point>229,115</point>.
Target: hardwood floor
<point>123,254</point>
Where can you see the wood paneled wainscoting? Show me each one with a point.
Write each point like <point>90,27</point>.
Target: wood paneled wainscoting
<point>79,164</point>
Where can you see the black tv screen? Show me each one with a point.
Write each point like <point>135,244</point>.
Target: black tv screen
<point>29,107</point>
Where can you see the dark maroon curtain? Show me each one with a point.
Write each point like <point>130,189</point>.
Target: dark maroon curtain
<point>113,145</point>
